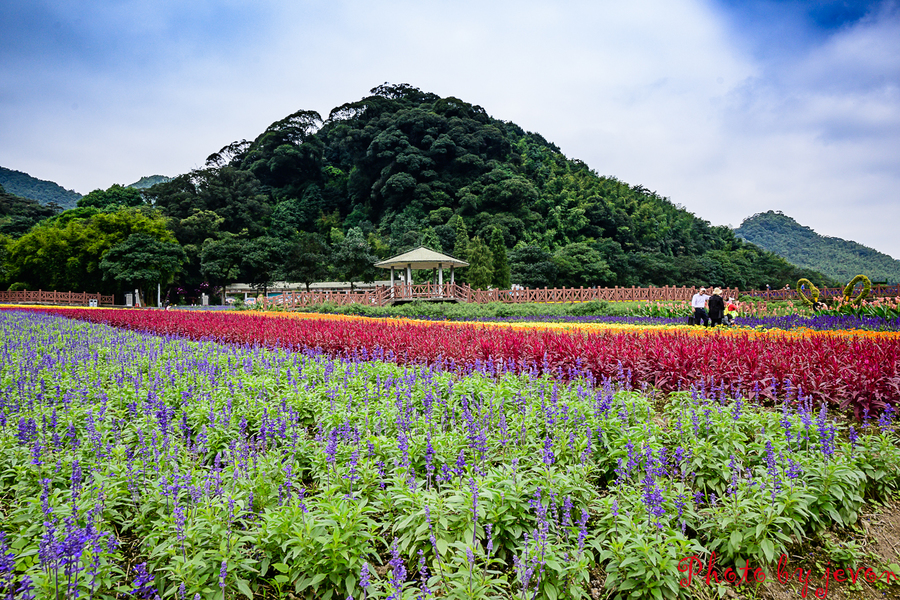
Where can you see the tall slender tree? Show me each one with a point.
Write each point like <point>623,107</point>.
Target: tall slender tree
<point>461,247</point>
<point>501,262</point>
<point>481,264</point>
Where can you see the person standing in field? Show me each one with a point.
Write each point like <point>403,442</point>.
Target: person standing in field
<point>731,312</point>
<point>698,303</point>
<point>716,307</point>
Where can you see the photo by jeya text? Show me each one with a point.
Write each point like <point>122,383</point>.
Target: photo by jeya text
<point>707,573</point>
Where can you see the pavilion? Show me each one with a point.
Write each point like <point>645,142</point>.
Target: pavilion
<point>422,258</point>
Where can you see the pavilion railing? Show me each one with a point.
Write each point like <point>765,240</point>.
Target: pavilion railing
<point>54,297</point>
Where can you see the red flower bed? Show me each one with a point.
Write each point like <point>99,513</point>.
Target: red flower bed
<point>854,371</point>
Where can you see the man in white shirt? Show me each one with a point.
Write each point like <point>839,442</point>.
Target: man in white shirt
<point>698,303</point>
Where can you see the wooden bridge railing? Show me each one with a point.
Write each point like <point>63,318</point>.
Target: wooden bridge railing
<point>878,291</point>
<point>384,295</point>
<point>54,297</point>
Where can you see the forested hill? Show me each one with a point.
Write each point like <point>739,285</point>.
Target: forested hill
<point>835,257</point>
<point>404,166</point>
<point>45,192</point>
<point>313,199</point>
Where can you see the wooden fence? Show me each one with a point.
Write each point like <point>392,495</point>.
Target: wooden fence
<point>54,297</point>
<point>385,295</point>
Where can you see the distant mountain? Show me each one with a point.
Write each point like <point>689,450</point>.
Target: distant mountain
<point>149,181</point>
<point>45,192</point>
<point>800,245</point>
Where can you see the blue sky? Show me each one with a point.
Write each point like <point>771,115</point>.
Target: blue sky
<point>728,107</point>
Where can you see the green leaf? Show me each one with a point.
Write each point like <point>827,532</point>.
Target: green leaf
<point>244,587</point>
<point>550,591</point>
<point>768,549</point>
<point>442,546</point>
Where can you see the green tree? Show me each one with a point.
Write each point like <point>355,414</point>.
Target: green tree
<point>501,261</point>
<point>220,259</point>
<point>261,259</point>
<point>65,255</point>
<point>352,258</point>
<point>480,273</point>
<point>142,260</point>
<point>18,215</point>
<point>111,198</point>
<point>461,248</point>
<point>532,267</point>
<point>430,240</point>
<point>579,264</point>
<point>306,259</point>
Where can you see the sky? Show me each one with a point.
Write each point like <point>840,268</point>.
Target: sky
<point>726,107</point>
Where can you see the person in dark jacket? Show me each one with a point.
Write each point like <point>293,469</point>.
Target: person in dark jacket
<point>716,308</point>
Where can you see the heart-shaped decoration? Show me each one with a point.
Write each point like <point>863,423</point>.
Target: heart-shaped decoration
<point>813,290</point>
<point>863,293</point>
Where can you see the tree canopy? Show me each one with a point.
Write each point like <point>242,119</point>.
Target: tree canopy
<point>143,260</point>
<point>397,169</point>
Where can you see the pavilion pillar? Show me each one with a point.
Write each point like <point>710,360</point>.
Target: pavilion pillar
<point>392,283</point>
<point>441,279</point>
<point>409,274</point>
<point>452,281</point>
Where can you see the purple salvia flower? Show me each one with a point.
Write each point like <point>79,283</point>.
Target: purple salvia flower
<point>886,419</point>
<point>423,576</point>
<point>398,570</point>
<point>582,529</point>
<point>143,582</point>
<point>364,576</point>
<point>853,436</point>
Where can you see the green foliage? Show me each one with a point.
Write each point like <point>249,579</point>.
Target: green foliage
<point>532,267</point>
<point>501,272</point>
<point>220,259</point>
<point>111,198</point>
<point>352,258</point>
<point>306,259</point>
<point>65,255</point>
<point>260,260</point>
<point>469,312</point>
<point>480,272</point>
<point>18,215</point>
<point>430,240</point>
<point>838,259</point>
<point>142,260</point>
<point>580,265</point>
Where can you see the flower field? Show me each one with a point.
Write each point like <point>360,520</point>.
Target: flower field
<point>193,455</point>
<point>856,371</point>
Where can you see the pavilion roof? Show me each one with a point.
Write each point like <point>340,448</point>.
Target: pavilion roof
<point>421,258</point>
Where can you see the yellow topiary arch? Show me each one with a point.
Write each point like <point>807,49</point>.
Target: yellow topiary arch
<point>813,291</point>
<point>863,294</point>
